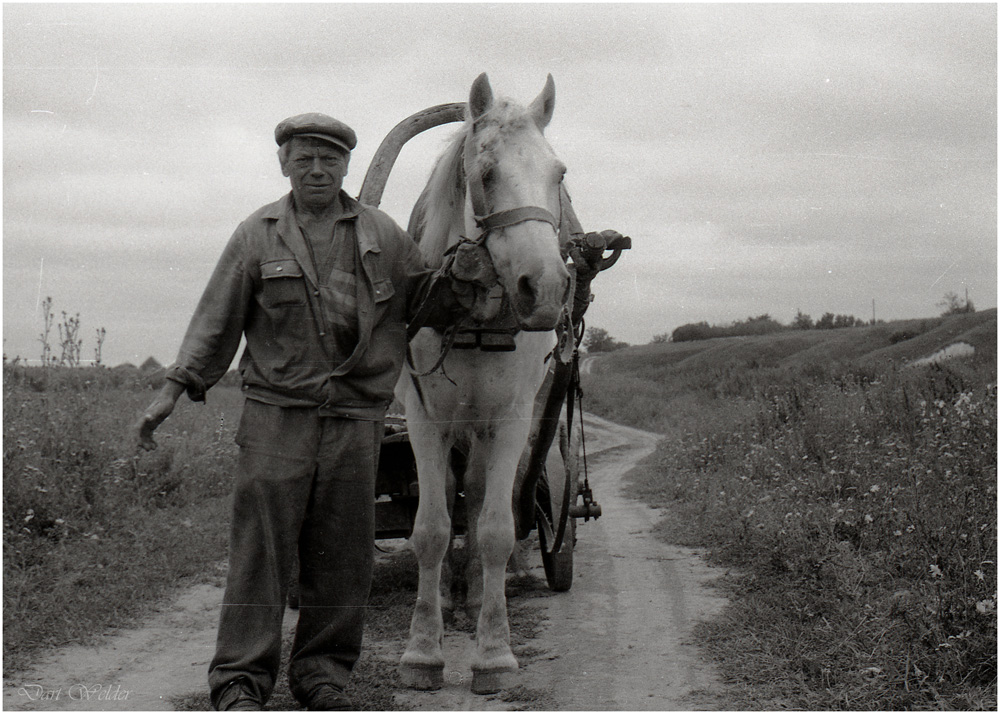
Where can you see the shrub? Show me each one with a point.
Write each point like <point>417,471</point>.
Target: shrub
<point>692,331</point>
<point>760,325</point>
<point>599,340</point>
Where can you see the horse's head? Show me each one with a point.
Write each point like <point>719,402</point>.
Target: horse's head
<point>514,200</point>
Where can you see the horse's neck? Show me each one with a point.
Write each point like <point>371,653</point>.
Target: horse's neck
<point>439,232</point>
<point>438,218</point>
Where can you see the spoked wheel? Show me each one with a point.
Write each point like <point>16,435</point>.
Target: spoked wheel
<point>555,494</point>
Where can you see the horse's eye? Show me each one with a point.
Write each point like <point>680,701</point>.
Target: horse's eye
<point>489,176</point>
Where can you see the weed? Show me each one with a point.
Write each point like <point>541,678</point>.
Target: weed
<point>92,532</point>
<point>857,502</point>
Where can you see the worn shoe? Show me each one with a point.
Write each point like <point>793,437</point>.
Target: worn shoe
<point>238,696</point>
<point>329,698</point>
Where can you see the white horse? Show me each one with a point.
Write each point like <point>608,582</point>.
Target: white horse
<point>498,182</point>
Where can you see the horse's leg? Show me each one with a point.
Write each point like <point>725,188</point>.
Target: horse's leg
<point>447,577</point>
<point>494,660</point>
<point>472,568</point>
<point>422,664</point>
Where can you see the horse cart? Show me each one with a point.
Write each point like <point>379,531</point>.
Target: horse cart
<point>552,490</point>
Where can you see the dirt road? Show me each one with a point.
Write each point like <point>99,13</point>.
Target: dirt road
<point>622,632</point>
<point>619,639</point>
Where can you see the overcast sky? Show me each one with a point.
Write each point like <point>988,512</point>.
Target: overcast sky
<point>763,158</point>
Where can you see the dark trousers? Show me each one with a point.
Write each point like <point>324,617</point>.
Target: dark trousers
<point>305,486</point>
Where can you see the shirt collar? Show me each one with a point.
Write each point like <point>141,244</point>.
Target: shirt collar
<point>285,208</point>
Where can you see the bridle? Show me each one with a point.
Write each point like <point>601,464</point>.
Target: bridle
<point>489,222</point>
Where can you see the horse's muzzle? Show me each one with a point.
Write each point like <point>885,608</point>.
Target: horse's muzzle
<point>539,303</point>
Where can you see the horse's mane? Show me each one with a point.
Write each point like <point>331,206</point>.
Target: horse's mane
<point>441,200</point>
<point>438,214</point>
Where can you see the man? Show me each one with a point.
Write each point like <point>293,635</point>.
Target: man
<point>321,286</point>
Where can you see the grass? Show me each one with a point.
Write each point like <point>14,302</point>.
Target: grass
<point>854,501</point>
<point>93,533</point>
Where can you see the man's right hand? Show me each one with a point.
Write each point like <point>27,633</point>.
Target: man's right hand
<point>155,413</point>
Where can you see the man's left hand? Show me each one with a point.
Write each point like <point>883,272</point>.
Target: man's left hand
<point>474,281</point>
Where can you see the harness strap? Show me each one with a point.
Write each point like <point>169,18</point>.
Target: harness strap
<point>513,216</point>
<point>447,340</point>
<point>486,221</point>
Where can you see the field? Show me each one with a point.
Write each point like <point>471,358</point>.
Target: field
<point>93,532</point>
<point>853,499</point>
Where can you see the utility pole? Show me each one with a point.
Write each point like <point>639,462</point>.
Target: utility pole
<point>873,311</point>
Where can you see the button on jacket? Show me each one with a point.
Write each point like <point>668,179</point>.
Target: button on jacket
<point>266,287</point>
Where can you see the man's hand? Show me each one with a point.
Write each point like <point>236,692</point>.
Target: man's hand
<point>474,281</point>
<point>154,415</point>
<point>473,264</point>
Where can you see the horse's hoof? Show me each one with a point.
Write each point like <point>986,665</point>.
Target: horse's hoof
<point>422,676</point>
<point>491,681</point>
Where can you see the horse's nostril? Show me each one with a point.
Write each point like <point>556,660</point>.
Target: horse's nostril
<point>526,289</point>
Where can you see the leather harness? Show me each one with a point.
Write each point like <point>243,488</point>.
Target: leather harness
<point>496,335</point>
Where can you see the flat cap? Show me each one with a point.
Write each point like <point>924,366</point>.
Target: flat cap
<point>319,126</point>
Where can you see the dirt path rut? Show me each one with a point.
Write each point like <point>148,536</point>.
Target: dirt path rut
<point>621,635</point>
<point>619,639</point>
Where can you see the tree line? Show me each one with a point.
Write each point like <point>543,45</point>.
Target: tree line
<point>600,340</point>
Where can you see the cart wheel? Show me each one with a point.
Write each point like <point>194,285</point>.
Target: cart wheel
<point>555,494</point>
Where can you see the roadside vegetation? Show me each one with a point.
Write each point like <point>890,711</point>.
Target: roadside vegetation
<point>94,532</point>
<point>852,497</point>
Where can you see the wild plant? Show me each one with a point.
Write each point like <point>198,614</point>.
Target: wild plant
<point>48,318</point>
<point>867,502</point>
<point>101,334</point>
<point>69,341</point>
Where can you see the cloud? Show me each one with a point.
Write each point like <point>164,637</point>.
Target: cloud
<point>762,157</point>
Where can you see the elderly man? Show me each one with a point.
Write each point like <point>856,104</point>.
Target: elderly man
<point>322,287</point>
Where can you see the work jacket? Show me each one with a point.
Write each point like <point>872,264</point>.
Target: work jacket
<point>266,288</point>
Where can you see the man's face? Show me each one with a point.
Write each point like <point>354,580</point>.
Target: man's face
<point>316,170</point>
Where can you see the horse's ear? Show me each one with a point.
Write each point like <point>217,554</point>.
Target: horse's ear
<point>544,104</point>
<point>481,96</point>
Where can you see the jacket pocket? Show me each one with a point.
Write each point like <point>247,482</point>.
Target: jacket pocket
<point>284,283</point>
<point>383,290</point>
